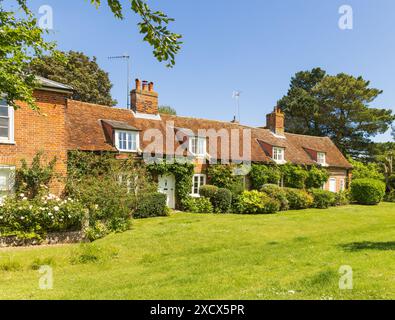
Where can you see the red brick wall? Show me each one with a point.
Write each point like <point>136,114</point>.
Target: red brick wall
<point>39,131</point>
<point>144,101</point>
<point>339,175</point>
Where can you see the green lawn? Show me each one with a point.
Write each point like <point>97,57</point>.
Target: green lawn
<point>293,255</point>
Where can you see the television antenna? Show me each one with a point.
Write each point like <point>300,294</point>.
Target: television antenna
<point>125,57</point>
<point>236,95</point>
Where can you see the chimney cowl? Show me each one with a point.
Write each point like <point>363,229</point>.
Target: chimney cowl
<point>138,84</point>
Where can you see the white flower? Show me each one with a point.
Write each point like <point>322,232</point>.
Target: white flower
<point>69,216</point>
<point>56,208</point>
<point>24,199</point>
<point>1,217</point>
<point>22,195</point>
<point>50,214</point>
<point>22,218</point>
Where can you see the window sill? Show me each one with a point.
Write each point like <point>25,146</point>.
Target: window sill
<point>280,161</point>
<point>7,142</point>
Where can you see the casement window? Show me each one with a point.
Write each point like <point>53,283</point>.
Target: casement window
<point>198,146</point>
<point>6,123</point>
<point>127,141</point>
<point>279,154</point>
<point>199,180</point>
<point>7,180</point>
<point>321,158</point>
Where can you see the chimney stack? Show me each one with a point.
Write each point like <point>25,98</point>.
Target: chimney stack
<point>144,99</point>
<point>275,121</point>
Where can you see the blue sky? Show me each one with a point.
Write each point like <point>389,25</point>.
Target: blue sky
<point>252,45</point>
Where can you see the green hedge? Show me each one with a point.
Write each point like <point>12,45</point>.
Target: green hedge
<point>198,205</point>
<point>277,193</point>
<point>323,199</point>
<point>255,202</point>
<point>367,191</point>
<point>151,205</point>
<point>298,199</point>
<point>220,198</point>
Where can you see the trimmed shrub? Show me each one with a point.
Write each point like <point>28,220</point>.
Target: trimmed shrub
<point>208,191</point>
<point>222,201</point>
<point>316,178</point>
<point>323,199</point>
<point>294,176</point>
<point>298,199</point>
<point>255,202</point>
<point>277,193</point>
<point>198,205</point>
<point>152,205</point>
<point>342,198</point>
<point>367,191</point>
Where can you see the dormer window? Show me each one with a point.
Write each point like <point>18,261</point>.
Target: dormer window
<point>279,154</point>
<point>321,158</point>
<point>198,146</point>
<point>127,141</point>
<point>6,123</point>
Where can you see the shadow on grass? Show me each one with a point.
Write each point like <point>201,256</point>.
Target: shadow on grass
<point>368,245</point>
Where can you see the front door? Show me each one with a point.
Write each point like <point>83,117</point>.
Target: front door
<point>167,186</point>
<point>332,185</point>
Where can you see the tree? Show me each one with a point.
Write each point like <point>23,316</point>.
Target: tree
<point>90,83</point>
<point>167,110</point>
<point>384,156</point>
<point>21,41</point>
<point>337,107</point>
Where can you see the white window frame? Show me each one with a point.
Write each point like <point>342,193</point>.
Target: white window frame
<point>118,144</point>
<point>194,145</point>
<point>9,179</point>
<point>11,120</point>
<point>321,158</point>
<point>279,151</point>
<point>199,184</point>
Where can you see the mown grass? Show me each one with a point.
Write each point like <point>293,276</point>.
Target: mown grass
<point>293,255</point>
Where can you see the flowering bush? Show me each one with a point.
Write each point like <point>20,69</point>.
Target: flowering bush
<point>40,215</point>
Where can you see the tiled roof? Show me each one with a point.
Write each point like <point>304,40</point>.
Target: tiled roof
<point>86,132</point>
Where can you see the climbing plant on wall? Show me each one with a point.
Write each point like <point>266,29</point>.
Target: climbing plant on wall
<point>183,173</point>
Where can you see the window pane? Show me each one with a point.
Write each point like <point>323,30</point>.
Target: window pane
<point>3,132</point>
<point>3,111</point>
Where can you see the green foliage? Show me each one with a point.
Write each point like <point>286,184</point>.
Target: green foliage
<point>390,197</point>
<point>255,202</point>
<point>222,201</point>
<point>337,107</point>
<point>365,170</point>
<point>220,198</point>
<point>198,205</point>
<point>35,179</point>
<point>110,188</point>
<point>208,191</point>
<point>223,176</point>
<point>298,199</point>
<point>90,83</point>
<point>152,205</point>
<point>277,193</point>
<point>367,191</point>
<point>316,178</point>
<point>342,198</point>
<point>167,110</point>
<point>294,176</point>
<point>323,199</point>
<point>262,174</point>
<point>96,231</point>
<point>41,215</point>
<point>21,41</point>
<point>183,173</point>
<point>391,182</point>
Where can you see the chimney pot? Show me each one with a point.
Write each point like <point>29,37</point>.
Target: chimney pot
<point>145,85</point>
<point>151,87</point>
<point>138,84</point>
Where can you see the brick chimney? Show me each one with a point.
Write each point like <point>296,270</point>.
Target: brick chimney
<point>275,121</point>
<point>144,99</point>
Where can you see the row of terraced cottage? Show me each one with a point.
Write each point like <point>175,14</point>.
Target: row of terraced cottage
<point>64,125</point>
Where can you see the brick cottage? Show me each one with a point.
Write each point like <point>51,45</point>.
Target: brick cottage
<point>64,125</point>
